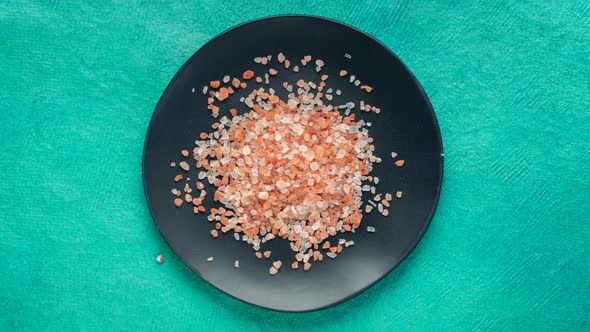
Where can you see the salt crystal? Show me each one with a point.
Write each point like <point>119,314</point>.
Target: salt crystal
<point>370,229</point>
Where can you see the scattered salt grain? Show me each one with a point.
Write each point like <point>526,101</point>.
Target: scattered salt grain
<point>237,264</point>
<point>210,259</point>
<point>370,229</point>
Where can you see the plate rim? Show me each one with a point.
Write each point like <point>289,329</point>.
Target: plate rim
<point>421,91</point>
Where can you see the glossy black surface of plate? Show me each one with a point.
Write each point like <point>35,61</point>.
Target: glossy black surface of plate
<point>406,125</point>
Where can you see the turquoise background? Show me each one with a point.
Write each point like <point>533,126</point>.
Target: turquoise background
<point>508,248</point>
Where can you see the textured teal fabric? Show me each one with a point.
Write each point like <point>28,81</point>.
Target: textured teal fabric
<point>508,248</point>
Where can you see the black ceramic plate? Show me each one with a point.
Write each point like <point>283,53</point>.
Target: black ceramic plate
<point>406,125</point>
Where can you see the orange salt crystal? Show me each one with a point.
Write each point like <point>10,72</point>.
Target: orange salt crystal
<point>343,72</point>
<point>203,136</point>
<point>236,83</point>
<point>215,84</point>
<point>400,163</point>
<point>177,202</point>
<point>223,94</point>
<point>248,74</point>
